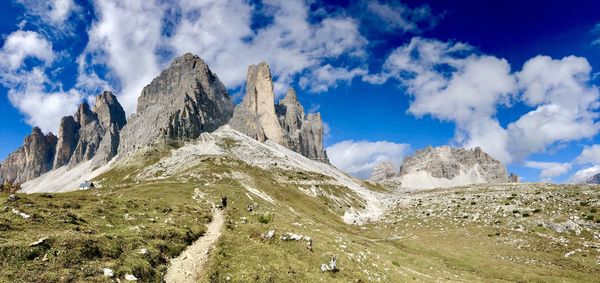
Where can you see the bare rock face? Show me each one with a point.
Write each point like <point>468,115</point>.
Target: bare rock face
<point>446,166</point>
<point>32,159</point>
<point>182,102</point>
<point>90,135</point>
<point>256,116</point>
<point>383,171</point>
<point>285,123</point>
<point>68,135</point>
<point>311,138</point>
<point>291,117</point>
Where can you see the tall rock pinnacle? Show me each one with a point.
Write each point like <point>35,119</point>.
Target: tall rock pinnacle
<point>256,115</point>
<point>285,123</point>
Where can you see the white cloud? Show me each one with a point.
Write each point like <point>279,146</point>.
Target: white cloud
<point>398,16</point>
<point>565,102</point>
<point>30,91</point>
<point>549,170</point>
<point>589,155</point>
<point>325,77</point>
<point>584,174</point>
<point>54,12</point>
<point>360,157</point>
<point>20,45</point>
<point>126,38</point>
<point>450,82</point>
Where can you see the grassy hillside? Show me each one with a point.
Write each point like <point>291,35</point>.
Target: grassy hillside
<point>479,233</point>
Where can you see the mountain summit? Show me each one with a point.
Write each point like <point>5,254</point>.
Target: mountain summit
<point>185,100</point>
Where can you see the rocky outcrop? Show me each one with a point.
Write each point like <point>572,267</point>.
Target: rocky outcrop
<point>383,171</point>
<point>285,123</point>
<point>513,178</point>
<point>446,166</point>
<point>183,101</point>
<point>33,158</point>
<point>256,116</point>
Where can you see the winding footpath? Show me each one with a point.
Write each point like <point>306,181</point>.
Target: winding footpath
<point>187,267</point>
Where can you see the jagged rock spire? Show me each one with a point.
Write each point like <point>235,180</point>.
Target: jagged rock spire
<point>256,115</point>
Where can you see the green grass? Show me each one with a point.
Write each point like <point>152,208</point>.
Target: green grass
<point>462,234</point>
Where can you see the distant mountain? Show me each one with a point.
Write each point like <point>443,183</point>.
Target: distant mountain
<point>444,166</point>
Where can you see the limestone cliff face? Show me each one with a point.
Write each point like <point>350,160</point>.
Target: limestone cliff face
<point>285,123</point>
<point>446,166</point>
<point>68,135</point>
<point>256,115</point>
<point>383,171</point>
<point>182,102</point>
<point>33,158</point>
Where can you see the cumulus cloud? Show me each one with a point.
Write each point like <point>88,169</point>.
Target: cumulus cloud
<point>30,91</point>
<point>549,170</point>
<point>125,38</point>
<point>452,82</point>
<point>564,101</point>
<point>20,45</point>
<point>325,77</point>
<point>360,157</point>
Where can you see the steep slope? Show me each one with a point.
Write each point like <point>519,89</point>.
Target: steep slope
<point>183,101</point>
<point>447,167</point>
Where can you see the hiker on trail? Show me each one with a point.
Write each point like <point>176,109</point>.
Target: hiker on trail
<point>224,202</point>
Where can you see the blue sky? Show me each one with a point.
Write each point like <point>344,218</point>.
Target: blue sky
<point>518,78</point>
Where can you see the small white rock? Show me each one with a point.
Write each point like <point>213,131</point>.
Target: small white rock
<point>108,272</point>
<point>130,277</point>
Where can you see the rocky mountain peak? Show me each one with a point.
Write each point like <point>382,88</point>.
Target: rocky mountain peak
<point>447,166</point>
<point>185,100</point>
<point>84,114</point>
<point>285,123</point>
<point>109,110</point>
<point>259,106</point>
